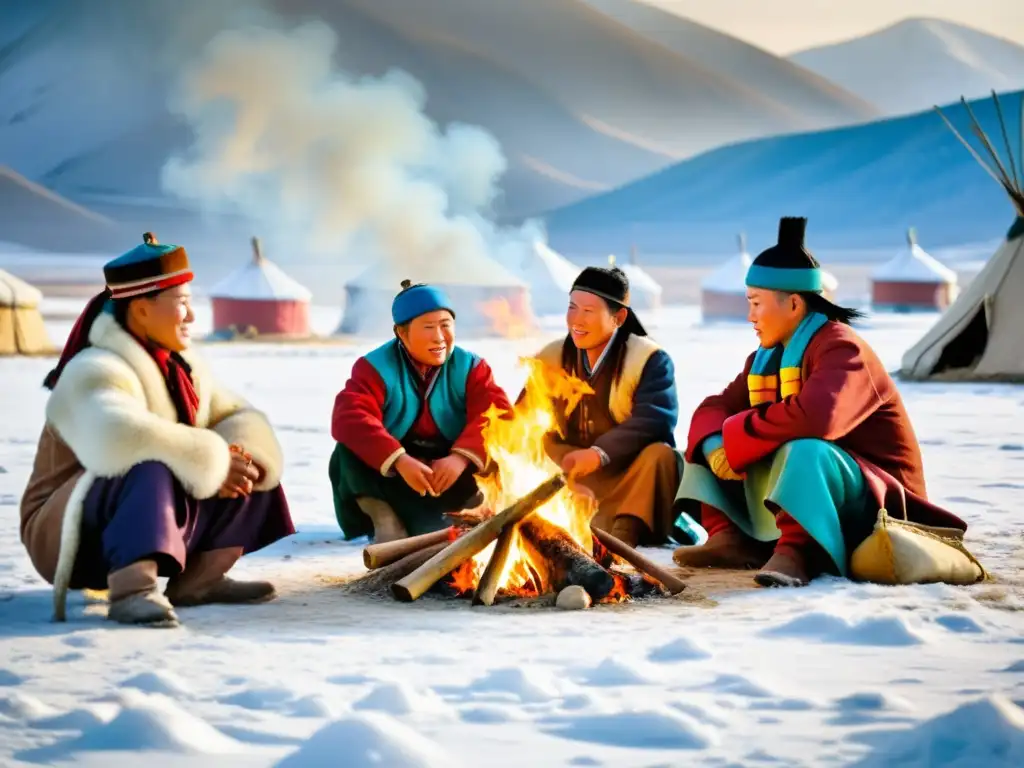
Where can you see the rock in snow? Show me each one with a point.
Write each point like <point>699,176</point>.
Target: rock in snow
<point>573,598</point>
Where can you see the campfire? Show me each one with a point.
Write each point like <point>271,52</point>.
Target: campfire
<point>541,542</point>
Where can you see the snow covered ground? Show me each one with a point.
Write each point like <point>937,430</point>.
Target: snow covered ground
<point>835,674</point>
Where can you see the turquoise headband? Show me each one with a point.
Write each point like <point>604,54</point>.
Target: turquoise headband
<point>796,280</point>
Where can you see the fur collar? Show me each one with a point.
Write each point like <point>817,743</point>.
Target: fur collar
<point>106,334</point>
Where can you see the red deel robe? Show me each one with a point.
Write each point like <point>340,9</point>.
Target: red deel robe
<point>848,398</point>
<point>358,411</point>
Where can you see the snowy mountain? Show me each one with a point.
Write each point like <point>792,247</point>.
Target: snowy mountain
<point>815,98</point>
<point>579,101</point>
<point>32,215</point>
<point>917,63</point>
<point>860,186</point>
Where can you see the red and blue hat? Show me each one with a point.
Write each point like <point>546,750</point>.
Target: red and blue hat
<point>146,268</point>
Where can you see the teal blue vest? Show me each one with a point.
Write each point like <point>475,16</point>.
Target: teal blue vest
<point>446,398</point>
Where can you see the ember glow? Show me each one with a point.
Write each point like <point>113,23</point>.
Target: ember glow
<point>510,319</point>
<point>516,446</point>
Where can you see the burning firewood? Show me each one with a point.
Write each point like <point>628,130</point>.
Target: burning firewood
<point>377,555</point>
<point>469,544</point>
<point>616,546</point>
<point>562,562</point>
<point>487,588</point>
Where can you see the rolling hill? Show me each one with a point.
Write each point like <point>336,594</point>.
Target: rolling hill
<point>814,98</point>
<point>860,187</point>
<point>917,63</point>
<point>33,216</point>
<point>580,102</point>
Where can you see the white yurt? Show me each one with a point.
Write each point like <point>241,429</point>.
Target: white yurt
<point>549,276</point>
<point>723,293</point>
<point>913,280</point>
<point>488,298</point>
<point>260,297</point>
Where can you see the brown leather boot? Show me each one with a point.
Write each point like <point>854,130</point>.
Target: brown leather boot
<point>135,597</point>
<point>203,581</point>
<point>730,549</point>
<point>787,567</point>
<point>386,525</point>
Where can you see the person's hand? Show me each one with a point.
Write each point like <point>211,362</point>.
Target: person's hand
<point>447,471</point>
<point>719,464</point>
<point>242,475</point>
<point>416,474</point>
<point>581,463</point>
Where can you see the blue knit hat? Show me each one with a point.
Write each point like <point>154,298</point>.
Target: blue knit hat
<point>416,300</point>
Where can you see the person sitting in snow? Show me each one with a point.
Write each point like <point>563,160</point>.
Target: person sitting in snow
<point>618,442</point>
<point>409,425</point>
<point>787,468</point>
<point>145,466</point>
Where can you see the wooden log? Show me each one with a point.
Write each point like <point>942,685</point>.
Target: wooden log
<point>382,579</point>
<point>488,586</point>
<point>616,546</point>
<point>560,561</point>
<point>469,544</point>
<point>377,555</point>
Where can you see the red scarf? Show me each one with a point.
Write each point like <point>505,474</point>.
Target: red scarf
<point>180,387</point>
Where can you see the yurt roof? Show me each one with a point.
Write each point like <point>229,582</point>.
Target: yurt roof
<point>914,265</point>
<point>640,279</point>
<point>731,277</point>
<point>15,292</point>
<point>455,269</point>
<point>260,280</point>
<point>563,272</point>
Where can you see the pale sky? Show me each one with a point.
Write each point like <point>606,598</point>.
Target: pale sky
<point>784,26</point>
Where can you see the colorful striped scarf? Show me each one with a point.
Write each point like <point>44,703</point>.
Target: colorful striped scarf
<point>782,364</point>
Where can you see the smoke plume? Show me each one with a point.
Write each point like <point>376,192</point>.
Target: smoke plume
<point>286,139</point>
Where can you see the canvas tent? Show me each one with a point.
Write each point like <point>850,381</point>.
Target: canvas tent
<point>261,297</point>
<point>488,298</point>
<point>913,280</point>
<point>21,324</point>
<point>723,293</point>
<point>981,336</point>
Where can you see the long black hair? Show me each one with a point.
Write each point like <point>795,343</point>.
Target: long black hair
<point>816,302</point>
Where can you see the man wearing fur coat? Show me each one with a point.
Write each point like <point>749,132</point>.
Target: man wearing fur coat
<point>145,466</point>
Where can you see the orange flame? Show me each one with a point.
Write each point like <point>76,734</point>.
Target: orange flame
<point>508,319</point>
<point>516,445</point>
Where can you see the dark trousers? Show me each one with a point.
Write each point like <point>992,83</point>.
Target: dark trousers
<point>351,479</point>
<point>146,514</point>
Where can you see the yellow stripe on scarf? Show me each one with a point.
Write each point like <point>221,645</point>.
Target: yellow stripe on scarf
<point>765,389</point>
<point>790,381</point>
<point>762,388</point>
